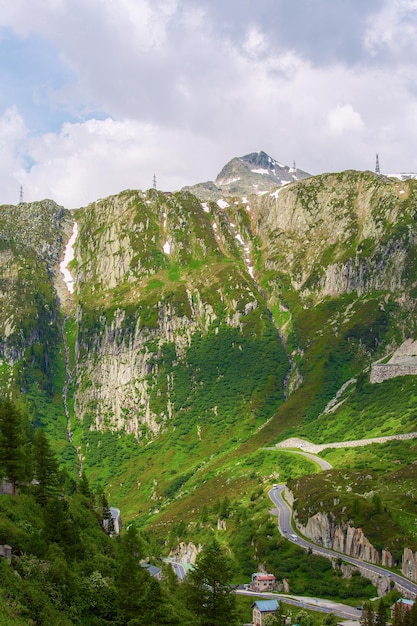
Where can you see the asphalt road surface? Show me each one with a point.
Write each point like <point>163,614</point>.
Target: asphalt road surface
<point>286,530</point>
<point>314,604</point>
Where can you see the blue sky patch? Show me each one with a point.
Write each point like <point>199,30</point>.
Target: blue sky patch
<point>31,76</point>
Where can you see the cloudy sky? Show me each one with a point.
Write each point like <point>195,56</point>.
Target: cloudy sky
<point>98,95</point>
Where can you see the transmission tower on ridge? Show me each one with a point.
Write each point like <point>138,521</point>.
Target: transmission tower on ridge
<point>154,191</point>
<point>21,194</point>
<point>377,170</point>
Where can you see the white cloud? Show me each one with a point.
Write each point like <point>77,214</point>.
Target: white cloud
<point>187,86</point>
<point>98,158</point>
<point>343,118</point>
<point>255,42</point>
<point>392,32</point>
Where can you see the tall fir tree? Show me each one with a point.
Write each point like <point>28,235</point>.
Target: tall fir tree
<point>412,614</point>
<point>208,589</point>
<point>381,614</point>
<point>83,487</point>
<point>45,468</point>
<point>140,597</point>
<point>14,456</point>
<point>129,575</point>
<point>61,527</point>
<point>104,513</point>
<point>368,615</point>
<point>398,614</point>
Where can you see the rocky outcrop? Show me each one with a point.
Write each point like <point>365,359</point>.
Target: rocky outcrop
<point>363,275</point>
<point>116,377</point>
<point>6,552</point>
<point>382,583</point>
<point>253,173</point>
<point>342,537</point>
<point>186,553</point>
<point>409,564</point>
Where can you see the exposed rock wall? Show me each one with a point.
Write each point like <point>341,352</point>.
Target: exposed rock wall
<point>32,240</point>
<point>382,583</point>
<point>186,553</point>
<point>116,377</point>
<point>323,531</point>
<point>140,299</point>
<point>363,275</point>
<point>306,230</point>
<point>409,564</point>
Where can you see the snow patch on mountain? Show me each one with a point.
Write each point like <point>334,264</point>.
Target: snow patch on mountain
<point>68,257</point>
<point>404,175</point>
<point>261,170</point>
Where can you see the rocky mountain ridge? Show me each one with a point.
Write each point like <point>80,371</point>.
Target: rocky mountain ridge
<point>254,173</point>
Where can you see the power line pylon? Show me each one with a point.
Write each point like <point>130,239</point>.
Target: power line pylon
<point>377,170</point>
<point>21,194</point>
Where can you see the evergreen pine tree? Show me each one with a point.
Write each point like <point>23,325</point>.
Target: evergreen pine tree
<point>224,510</point>
<point>398,616</point>
<point>104,513</point>
<point>45,468</point>
<point>83,487</point>
<point>368,615</point>
<point>412,614</point>
<point>61,528</point>
<point>128,575</point>
<point>208,590</point>
<point>13,445</point>
<point>204,514</point>
<point>381,615</point>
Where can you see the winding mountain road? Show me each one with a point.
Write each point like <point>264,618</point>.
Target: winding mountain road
<point>325,465</point>
<point>284,512</point>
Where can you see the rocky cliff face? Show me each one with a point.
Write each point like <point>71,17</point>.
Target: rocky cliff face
<point>154,275</point>
<point>339,233</point>
<point>32,237</point>
<point>158,269</point>
<point>409,564</point>
<point>322,529</point>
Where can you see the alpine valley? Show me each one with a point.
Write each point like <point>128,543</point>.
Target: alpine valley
<point>204,327</point>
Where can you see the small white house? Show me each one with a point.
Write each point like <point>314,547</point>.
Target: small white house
<point>262,582</point>
<point>261,608</point>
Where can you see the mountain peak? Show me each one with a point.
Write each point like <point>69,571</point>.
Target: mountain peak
<point>259,172</point>
<point>253,173</point>
<point>261,160</point>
